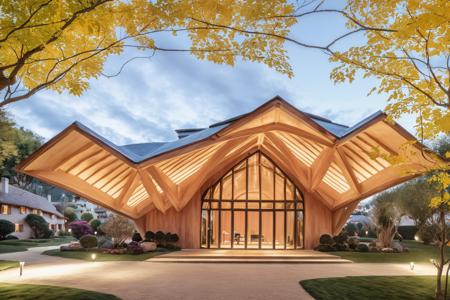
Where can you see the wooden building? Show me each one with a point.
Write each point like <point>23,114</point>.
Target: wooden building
<point>274,178</point>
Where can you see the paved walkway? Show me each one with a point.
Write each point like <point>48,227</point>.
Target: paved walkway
<point>144,280</point>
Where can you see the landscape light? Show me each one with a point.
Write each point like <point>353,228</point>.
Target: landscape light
<point>69,230</point>
<point>93,256</point>
<point>95,232</point>
<point>367,232</point>
<point>22,264</point>
<point>411,265</point>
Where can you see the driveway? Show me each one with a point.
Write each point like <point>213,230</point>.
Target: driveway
<point>147,280</point>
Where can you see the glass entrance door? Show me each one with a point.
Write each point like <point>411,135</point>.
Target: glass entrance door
<point>254,206</point>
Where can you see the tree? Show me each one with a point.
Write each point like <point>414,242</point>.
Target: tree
<point>86,217</point>
<point>386,216</point>
<point>61,44</point>
<point>39,226</point>
<point>69,213</point>
<point>6,227</point>
<point>119,228</point>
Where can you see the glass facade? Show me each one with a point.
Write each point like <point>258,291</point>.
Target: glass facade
<point>254,206</point>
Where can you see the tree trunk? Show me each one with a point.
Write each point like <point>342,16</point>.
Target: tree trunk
<point>442,241</point>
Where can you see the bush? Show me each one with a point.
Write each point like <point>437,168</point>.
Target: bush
<point>341,247</point>
<point>351,229</point>
<point>172,238</point>
<point>341,238</point>
<point>134,248</point>
<point>39,226</point>
<point>86,217</point>
<point>64,233</point>
<point>136,237</point>
<point>362,248</point>
<point>6,227</point>
<point>95,224</point>
<point>160,237</point>
<point>324,248</point>
<point>353,242</point>
<point>326,239</point>
<point>427,234</point>
<point>150,236</point>
<point>104,242</point>
<point>11,237</point>
<point>407,232</point>
<point>80,228</point>
<point>88,241</point>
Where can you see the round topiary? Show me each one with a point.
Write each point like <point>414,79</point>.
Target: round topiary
<point>353,242</point>
<point>149,236</point>
<point>326,239</point>
<point>95,224</point>
<point>136,237</point>
<point>134,248</point>
<point>341,238</point>
<point>160,237</point>
<point>362,248</point>
<point>341,246</point>
<point>88,241</point>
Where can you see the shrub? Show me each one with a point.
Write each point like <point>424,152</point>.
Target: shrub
<point>134,248</point>
<point>136,237</point>
<point>6,227</point>
<point>160,237</point>
<point>362,248</point>
<point>104,242</point>
<point>119,228</point>
<point>341,247</point>
<point>428,234</point>
<point>88,241</point>
<point>172,238</point>
<point>69,213</point>
<point>326,239</point>
<point>407,232</point>
<point>80,228</point>
<point>353,242</point>
<point>150,236</point>
<point>324,248</point>
<point>95,224</point>
<point>351,229</point>
<point>39,226</point>
<point>341,238</point>
<point>87,217</point>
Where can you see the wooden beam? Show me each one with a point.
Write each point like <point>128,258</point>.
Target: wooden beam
<point>152,191</point>
<point>127,189</point>
<point>383,145</point>
<point>344,165</point>
<point>70,156</point>
<point>340,217</point>
<point>281,127</point>
<point>297,164</point>
<point>168,186</point>
<point>320,166</point>
<point>79,187</point>
<point>78,162</point>
<point>190,187</point>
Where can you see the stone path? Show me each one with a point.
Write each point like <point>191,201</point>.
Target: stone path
<point>145,280</point>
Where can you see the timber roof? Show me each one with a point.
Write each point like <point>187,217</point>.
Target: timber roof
<point>337,164</point>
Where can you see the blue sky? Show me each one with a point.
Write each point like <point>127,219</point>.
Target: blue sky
<point>152,97</point>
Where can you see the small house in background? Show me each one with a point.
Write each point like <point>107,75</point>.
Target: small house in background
<point>16,204</point>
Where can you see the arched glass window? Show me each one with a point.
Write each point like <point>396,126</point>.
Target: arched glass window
<point>254,206</point>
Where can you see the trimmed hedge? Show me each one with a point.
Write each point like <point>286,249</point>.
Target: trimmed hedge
<point>6,227</point>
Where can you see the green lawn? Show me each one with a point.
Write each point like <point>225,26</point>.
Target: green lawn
<point>372,288</point>
<point>7,246</point>
<point>48,292</point>
<point>6,264</point>
<point>86,255</point>
<point>418,253</point>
